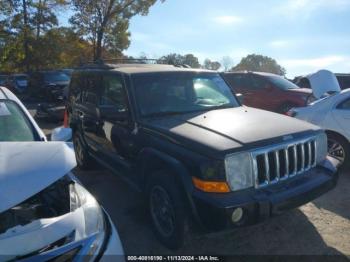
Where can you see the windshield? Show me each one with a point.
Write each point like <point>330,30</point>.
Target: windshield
<point>282,83</point>
<point>177,93</point>
<point>14,124</point>
<point>56,77</point>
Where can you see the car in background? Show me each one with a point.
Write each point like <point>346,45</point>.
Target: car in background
<point>18,83</point>
<point>48,85</point>
<point>181,137</point>
<point>3,80</point>
<point>343,80</point>
<point>332,113</point>
<point>45,212</point>
<point>268,91</point>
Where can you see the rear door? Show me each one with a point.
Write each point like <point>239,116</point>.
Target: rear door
<point>87,111</point>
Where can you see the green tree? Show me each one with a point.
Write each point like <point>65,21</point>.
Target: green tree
<point>259,63</point>
<point>177,59</point>
<point>21,22</point>
<point>226,62</point>
<point>105,22</point>
<point>211,65</point>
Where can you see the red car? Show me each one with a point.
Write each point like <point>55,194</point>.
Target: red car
<point>268,91</point>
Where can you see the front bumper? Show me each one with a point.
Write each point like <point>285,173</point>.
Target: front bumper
<point>112,249</point>
<point>215,210</point>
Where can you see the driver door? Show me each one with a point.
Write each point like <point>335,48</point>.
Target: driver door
<point>342,115</point>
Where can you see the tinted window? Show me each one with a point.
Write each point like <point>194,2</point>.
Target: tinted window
<point>91,84</point>
<point>236,80</point>
<point>75,88</point>
<point>56,77</point>
<point>15,126</point>
<point>113,92</point>
<point>344,81</point>
<point>258,82</point>
<point>169,93</point>
<point>281,82</point>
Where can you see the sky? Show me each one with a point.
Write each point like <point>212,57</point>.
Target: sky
<point>302,35</point>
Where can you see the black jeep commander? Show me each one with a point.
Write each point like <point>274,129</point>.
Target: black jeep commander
<point>182,137</point>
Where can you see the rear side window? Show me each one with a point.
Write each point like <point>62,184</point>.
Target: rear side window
<point>15,125</point>
<point>113,93</point>
<point>236,80</point>
<point>91,87</point>
<point>75,89</point>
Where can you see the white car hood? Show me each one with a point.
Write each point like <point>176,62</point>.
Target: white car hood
<point>323,81</point>
<point>26,168</point>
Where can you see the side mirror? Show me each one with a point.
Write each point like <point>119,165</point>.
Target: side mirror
<point>112,113</point>
<point>61,134</point>
<point>240,98</point>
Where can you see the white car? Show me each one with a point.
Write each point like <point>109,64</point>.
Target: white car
<point>45,212</point>
<point>333,114</point>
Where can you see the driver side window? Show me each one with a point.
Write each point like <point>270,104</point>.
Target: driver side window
<point>113,93</point>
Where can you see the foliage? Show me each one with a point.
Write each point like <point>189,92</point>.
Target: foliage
<point>177,59</point>
<point>211,65</point>
<point>259,63</point>
<point>226,63</point>
<point>105,23</point>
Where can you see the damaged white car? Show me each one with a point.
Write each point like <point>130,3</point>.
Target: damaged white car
<point>45,213</point>
<point>322,83</point>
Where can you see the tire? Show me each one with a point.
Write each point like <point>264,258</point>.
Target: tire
<point>167,209</point>
<point>84,160</point>
<point>339,148</point>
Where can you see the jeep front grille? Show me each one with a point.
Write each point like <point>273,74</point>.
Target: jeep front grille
<point>281,162</point>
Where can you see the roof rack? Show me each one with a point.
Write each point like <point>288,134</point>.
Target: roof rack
<point>119,62</point>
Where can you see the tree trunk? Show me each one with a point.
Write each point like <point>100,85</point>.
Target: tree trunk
<point>25,34</point>
<point>98,50</point>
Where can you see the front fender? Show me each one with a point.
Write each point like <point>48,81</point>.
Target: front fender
<point>150,159</point>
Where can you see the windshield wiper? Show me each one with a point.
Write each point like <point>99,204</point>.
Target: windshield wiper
<point>165,113</point>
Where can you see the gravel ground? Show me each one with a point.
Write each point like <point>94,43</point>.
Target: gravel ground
<point>321,227</point>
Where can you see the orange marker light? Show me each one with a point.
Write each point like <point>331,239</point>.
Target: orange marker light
<point>210,186</point>
<point>65,118</point>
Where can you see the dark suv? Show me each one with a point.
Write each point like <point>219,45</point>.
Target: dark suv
<point>49,85</point>
<point>268,91</point>
<point>180,136</point>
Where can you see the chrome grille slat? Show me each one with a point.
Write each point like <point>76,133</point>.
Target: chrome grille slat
<point>277,163</point>
<point>309,152</point>
<point>302,158</point>
<point>267,167</point>
<point>287,162</point>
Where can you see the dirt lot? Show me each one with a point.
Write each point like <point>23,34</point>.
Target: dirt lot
<point>318,228</point>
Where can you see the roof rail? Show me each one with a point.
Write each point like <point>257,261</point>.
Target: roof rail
<point>111,63</point>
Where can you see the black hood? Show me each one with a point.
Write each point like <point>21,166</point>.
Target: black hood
<point>229,130</point>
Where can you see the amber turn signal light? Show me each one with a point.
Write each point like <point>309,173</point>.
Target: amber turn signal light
<point>211,186</point>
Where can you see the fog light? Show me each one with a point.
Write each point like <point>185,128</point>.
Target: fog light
<point>237,215</point>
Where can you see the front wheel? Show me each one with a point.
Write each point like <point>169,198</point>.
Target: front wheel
<point>339,148</point>
<point>167,210</point>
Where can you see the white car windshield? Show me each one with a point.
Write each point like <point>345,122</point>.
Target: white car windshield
<point>15,126</point>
